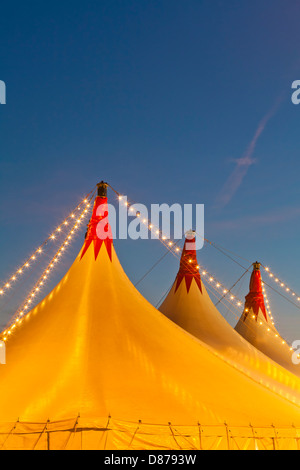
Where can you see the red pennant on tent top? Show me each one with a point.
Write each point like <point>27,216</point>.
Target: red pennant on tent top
<point>99,230</point>
<point>189,269</point>
<point>255,298</point>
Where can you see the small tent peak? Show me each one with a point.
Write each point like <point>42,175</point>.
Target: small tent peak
<point>99,229</point>
<point>189,268</point>
<point>255,298</point>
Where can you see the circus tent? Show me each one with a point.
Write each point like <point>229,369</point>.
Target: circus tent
<point>95,366</point>
<point>256,326</point>
<point>189,305</point>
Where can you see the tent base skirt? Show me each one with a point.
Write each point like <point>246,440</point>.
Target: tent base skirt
<point>112,434</point>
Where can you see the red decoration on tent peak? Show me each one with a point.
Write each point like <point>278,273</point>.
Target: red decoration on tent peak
<point>255,298</point>
<point>189,268</point>
<point>99,230</point>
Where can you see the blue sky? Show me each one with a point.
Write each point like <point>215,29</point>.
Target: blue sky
<point>169,101</point>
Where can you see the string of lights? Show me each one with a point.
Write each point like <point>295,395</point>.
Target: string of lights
<point>27,264</point>
<point>261,324</point>
<point>223,292</point>
<point>277,281</point>
<point>17,318</point>
<point>228,305</point>
<point>172,246</point>
<point>281,284</point>
<point>208,277</point>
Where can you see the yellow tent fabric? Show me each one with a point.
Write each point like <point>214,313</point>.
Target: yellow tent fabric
<point>94,348</point>
<point>256,326</point>
<point>189,306</point>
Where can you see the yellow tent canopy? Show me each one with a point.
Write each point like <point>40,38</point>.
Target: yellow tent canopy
<point>96,366</point>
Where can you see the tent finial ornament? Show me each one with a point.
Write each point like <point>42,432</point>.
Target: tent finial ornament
<point>102,189</point>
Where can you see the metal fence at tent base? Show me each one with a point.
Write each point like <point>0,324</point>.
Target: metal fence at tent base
<point>113,434</point>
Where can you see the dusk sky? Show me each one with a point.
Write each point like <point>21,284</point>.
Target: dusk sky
<point>168,101</point>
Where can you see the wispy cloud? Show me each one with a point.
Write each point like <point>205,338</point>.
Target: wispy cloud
<point>275,217</point>
<point>243,164</point>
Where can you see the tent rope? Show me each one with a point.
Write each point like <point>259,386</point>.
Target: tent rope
<point>186,439</point>
<point>9,434</point>
<point>173,435</point>
<point>164,296</point>
<point>154,266</point>
<point>43,431</point>
<point>230,290</point>
<point>132,439</point>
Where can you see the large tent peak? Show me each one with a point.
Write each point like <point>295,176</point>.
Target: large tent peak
<point>99,230</point>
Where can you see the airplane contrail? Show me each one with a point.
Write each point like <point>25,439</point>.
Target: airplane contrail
<point>243,164</point>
